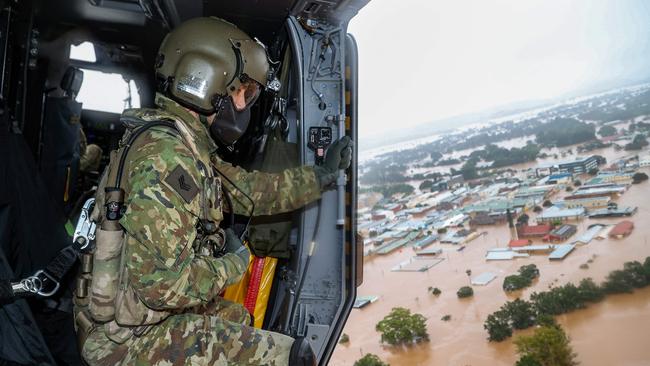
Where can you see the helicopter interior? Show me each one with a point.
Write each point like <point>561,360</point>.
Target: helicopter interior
<point>68,70</point>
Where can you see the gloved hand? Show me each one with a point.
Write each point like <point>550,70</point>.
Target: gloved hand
<point>338,156</point>
<point>234,245</point>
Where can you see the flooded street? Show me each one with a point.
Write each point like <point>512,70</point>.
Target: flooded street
<point>613,332</point>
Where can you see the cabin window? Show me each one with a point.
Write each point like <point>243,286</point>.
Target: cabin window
<point>107,92</point>
<point>83,52</point>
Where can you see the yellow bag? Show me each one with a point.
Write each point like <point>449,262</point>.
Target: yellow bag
<point>254,288</point>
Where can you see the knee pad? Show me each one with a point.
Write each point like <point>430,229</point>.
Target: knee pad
<point>301,353</point>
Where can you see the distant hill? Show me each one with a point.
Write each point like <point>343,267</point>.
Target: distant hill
<point>451,123</point>
<point>512,109</point>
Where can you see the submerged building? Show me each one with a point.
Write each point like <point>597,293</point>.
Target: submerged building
<point>554,213</point>
<point>622,229</point>
<point>580,165</point>
<point>561,233</point>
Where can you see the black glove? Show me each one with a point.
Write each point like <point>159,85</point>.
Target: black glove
<point>338,156</point>
<point>235,246</point>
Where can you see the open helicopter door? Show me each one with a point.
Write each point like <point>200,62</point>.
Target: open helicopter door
<point>320,284</point>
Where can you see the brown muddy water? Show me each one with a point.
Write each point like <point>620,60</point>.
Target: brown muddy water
<point>613,332</point>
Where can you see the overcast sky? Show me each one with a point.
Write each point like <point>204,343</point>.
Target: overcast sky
<point>422,60</point>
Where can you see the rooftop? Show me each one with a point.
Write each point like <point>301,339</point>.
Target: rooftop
<point>518,243</point>
<point>559,176</point>
<point>622,228</point>
<point>425,242</point>
<point>483,279</point>
<point>613,212</point>
<point>557,212</point>
<point>603,189</point>
<point>578,160</point>
<point>429,251</point>
<point>416,264</point>
<point>391,246</point>
<point>564,230</point>
<point>503,254</point>
<point>362,301</point>
<point>589,235</point>
<point>527,230</point>
<point>561,251</point>
<point>533,248</point>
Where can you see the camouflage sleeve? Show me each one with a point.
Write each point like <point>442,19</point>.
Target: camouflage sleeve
<point>272,193</point>
<point>161,224</point>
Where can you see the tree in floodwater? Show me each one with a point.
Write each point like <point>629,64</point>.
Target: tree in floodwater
<point>521,313</point>
<point>498,326</point>
<point>638,143</point>
<point>590,291</point>
<point>465,291</point>
<point>370,360</point>
<point>400,327</point>
<point>606,131</point>
<point>525,277</point>
<point>618,282</point>
<point>639,177</point>
<point>527,361</point>
<point>549,346</point>
<point>514,283</point>
<point>523,219</point>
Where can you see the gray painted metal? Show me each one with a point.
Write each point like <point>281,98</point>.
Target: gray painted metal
<point>327,294</point>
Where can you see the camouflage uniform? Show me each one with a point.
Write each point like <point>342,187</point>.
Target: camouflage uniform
<point>168,310</point>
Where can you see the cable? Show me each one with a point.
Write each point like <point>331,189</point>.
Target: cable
<point>226,195</point>
<point>312,247</point>
<point>127,146</point>
<point>252,211</point>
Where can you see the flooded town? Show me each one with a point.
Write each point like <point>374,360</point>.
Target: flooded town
<point>451,213</point>
<point>325,182</point>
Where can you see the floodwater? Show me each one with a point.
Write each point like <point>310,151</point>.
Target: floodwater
<point>613,332</point>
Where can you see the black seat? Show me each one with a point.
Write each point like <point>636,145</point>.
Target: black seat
<point>60,154</point>
<point>71,82</point>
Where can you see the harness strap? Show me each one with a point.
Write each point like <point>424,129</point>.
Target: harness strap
<point>46,282</point>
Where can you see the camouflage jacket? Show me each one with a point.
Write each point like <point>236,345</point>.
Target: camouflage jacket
<point>171,184</point>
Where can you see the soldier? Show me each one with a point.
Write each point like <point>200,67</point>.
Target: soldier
<point>91,154</point>
<point>155,298</point>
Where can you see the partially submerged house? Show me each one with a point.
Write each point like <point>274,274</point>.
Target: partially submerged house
<point>554,214</point>
<point>589,235</point>
<point>587,203</point>
<point>533,231</point>
<point>622,229</point>
<point>561,251</point>
<point>613,212</point>
<point>425,242</point>
<point>561,233</point>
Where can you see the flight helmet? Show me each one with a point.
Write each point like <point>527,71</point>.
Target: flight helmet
<point>205,60</point>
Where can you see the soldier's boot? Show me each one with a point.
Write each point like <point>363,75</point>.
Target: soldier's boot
<point>301,353</point>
